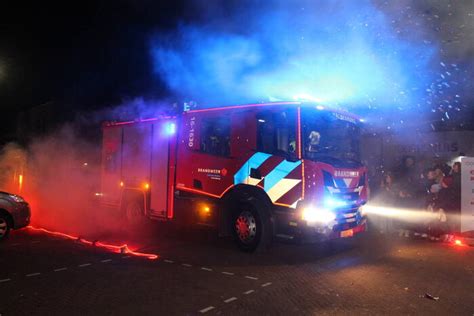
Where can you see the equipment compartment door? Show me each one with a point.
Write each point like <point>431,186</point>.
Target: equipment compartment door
<point>136,155</point>
<point>159,168</point>
<point>111,165</point>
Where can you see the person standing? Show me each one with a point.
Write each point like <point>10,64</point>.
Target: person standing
<point>387,196</point>
<point>455,215</point>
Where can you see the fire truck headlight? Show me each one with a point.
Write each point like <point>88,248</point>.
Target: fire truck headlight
<point>363,210</point>
<point>317,215</point>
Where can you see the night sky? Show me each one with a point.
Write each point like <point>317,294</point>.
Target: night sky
<point>86,55</point>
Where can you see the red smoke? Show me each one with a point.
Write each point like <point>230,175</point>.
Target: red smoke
<point>60,178</point>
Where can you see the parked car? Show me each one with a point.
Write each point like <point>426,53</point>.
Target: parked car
<point>14,213</point>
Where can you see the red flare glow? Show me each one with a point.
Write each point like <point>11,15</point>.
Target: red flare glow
<point>123,249</point>
<point>20,182</point>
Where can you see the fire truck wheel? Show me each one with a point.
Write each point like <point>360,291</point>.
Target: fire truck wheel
<point>4,227</point>
<point>134,212</point>
<point>251,226</point>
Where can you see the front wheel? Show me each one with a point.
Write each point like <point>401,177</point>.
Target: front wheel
<point>4,227</point>
<point>251,226</point>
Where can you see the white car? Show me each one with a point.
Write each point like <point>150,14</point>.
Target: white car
<point>14,213</point>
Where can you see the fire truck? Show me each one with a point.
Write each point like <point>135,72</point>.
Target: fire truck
<point>254,171</point>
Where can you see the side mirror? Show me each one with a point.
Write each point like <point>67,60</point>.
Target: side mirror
<point>291,157</point>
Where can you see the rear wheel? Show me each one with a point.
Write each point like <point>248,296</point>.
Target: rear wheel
<point>4,227</point>
<point>251,226</point>
<point>134,213</point>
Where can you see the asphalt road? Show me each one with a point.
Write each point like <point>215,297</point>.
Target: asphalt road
<point>197,273</point>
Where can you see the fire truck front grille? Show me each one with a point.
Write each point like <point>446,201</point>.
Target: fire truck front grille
<point>350,197</point>
<point>346,219</point>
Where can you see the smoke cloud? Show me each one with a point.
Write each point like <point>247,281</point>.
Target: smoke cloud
<point>60,178</point>
<point>339,52</point>
<point>12,166</point>
<point>61,174</point>
<point>391,58</point>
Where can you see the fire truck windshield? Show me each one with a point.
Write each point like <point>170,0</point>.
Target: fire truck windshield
<point>330,137</point>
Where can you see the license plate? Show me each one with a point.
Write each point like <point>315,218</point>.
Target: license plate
<point>347,233</point>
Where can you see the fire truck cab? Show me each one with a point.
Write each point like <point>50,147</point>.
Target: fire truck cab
<point>252,171</point>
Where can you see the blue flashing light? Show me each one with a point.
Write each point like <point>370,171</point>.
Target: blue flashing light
<point>334,203</point>
<point>320,107</point>
<point>170,128</point>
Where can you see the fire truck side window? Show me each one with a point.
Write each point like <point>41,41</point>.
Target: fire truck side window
<point>215,136</point>
<point>276,132</point>
<point>111,162</point>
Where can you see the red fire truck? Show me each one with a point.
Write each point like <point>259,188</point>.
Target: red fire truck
<point>252,171</point>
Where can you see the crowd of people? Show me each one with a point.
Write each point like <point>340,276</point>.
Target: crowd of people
<point>429,192</point>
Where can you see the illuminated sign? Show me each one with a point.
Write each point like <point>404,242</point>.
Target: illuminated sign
<point>346,173</point>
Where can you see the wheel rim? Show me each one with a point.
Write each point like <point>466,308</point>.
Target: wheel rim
<point>133,212</point>
<point>3,227</point>
<point>246,227</point>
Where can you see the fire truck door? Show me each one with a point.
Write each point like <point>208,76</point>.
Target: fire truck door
<point>159,169</point>
<point>111,165</point>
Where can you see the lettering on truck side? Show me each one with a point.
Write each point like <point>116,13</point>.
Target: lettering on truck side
<point>192,124</point>
<point>346,173</point>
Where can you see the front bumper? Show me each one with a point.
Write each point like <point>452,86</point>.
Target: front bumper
<point>21,215</point>
<point>290,225</point>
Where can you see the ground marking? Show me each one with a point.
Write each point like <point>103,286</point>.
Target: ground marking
<point>60,269</point>
<point>266,284</point>
<point>207,309</point>
<point>230,299</point>
<point>5,280</point>
<point>186,265</point>
<point>106,260</point>
<point>169,261</point>
<point>251,277</point>
<point>206,269</point>
<point>125,257</point>
<point>33,274</point>
<point>249,292</point>
<point>84,265</point>
<point>227,273</point>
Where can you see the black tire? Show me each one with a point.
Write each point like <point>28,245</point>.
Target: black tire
<point>251,225</point>
<point>5,227</point>
<point>134,213</point>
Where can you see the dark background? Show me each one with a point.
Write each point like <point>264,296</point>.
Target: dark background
<point>58,59</point>
<point>80,55</point>
<point>88,52</point>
